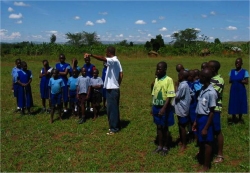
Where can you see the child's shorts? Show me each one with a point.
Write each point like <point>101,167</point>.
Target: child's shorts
<point>96,97</point>
<point>201,123</point>
<point>183,120</point>
<point>162,120</point>
<point>56,99</point>
<point>216,122</point>
<point>82,98</point>
<point>72,96</point>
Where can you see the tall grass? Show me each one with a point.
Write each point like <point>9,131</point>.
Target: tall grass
<point>31,143</point>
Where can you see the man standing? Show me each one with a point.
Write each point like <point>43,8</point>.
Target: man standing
<point>112,84</point>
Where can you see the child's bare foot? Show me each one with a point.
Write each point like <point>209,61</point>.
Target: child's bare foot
<point>183,148</point>
<point>94,118</point>
<point>204,169</point>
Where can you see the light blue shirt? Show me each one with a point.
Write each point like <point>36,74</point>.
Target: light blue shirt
<point>83,84</point>
<point>96,81</point>
<point>72,83</point>
<point>56,85</point>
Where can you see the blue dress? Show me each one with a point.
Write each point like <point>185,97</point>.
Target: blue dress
<point>24,98</point>
<point>89,69</point>
<point>238,95</point>
<point>44,88</point>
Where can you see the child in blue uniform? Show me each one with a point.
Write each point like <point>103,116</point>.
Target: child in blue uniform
<point>72,91</point>
<point>83,93</point>
<point>56,85</point>
<point>163,91</point>
<point>44,88</point>
<point>104,70</point>
<point>74,66</point>
<point>96,90</point>
<point>14,85</point>
<point>63,69</point>
<point>204,119</point>
<point>24,78</point>
<point>238,94</point>
<point>181,104</point>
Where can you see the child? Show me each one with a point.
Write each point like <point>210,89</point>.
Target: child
<point>63,69</point>
<point>89,72</point>
<point>204,119</point>
<point>104,70</point>
<point>14,85</point>
<point>181,104</point>
<point>96,92</point>
<point>72,91</point>
<point>163,92</point>
<point>218,84</point>
<point>24,78</point>
<point>83,92</point>
<point>238,94</point>
<point>204,65</point>
<point>56,85</point>
<point>44,88</point>
<point>74,66</point>
<point>179,67</point>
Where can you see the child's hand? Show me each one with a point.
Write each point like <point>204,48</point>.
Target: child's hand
<point>161,112</point>
<point>194,127</point>
<point>204,132</point>
<point>151,112</point>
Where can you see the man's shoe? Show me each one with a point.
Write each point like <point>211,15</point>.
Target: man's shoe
<point>17,110</point>
<point>82,120</point>
<point>164,152</point>
<point>157,150</point>
<point>110,133</point>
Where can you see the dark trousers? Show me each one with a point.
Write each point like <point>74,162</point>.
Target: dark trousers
<point>113,98</point>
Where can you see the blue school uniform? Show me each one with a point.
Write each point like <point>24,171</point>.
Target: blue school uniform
<point>56,86</point>
<point>24,98</point>
<point>72,89</point>
<point>44,88</point>
<point>14,80</point>
<point>238,95</point>
<point>104,70</point>
<point>62,67</point>
<point>89,69</point>
<point>194,94</point>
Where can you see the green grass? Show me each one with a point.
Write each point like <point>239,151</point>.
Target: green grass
<point>32,144</point>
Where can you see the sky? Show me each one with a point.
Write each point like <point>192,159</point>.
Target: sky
<point>115,21</point>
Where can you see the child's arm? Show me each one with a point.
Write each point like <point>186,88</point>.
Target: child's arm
<point>88,92</point>
<point>163,109</point>
<point>245,81</point>
<point>209,121</point>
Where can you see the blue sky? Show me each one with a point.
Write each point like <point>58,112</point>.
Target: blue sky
<point>123,20</point>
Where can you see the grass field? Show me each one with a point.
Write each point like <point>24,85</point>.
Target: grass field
<point>32,144</point>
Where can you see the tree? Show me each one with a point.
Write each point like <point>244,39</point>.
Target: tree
<point>53,38</point>
<point>217,41</point>
<point>155,44</point>
<point>83,38</point>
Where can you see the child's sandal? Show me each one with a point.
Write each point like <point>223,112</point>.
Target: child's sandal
<point>219,159</point>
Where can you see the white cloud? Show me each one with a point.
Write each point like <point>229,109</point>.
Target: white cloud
<point>161,17</point>
<point>248,27</point>
<point>211,38</point>
<point>212,13</point>
<point>197,29</point>
<point>3,31</point>
<point>15,16</point>
<point>52,32</point>
<point>19,22</point>
<point>153,21</point>
<point>235,37</point>
<point>89,23</point>
<point>10,9</point>
<point>204,15</point>
<point>231,28</point>
<point>140,22</point>
<point>103,13</point>
<point>21,4</point>
<point>36,36</point>
<point>167,36</point>
<point>76,18</point>
<point>101,21</point>
<point>163,29</point>
<point>4,35</point>
<point>120,35</point>
<point>149,35</point>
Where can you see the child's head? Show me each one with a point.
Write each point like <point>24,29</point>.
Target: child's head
<point>55,73</point>
<point>18,63</point>
<point>191,75</point>
<point>75,62</point>
<point>205,76</point>
<point>204,65</point>
<point>95,73</point>
<point>179,67</point>
<point>74,73</point>
<point>161,69</point>
<point>238,63</point>
<point>24,65</point>
<point>183,75</point>
<point>45,63</point>
<point>214,66</point>
<point>196,74</point>
<point>62,58</point>
<point>87,60</point>
<point>83,71</point>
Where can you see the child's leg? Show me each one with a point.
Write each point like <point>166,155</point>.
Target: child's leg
<point>52,114</point>
<point>183,135</point>
<point>82,116</point>
<point>207,158</point>
<point>60,111</point>
<point>165,140</point>
<point>94,106</point>
<point>160,139</point>
<point>234,118</point>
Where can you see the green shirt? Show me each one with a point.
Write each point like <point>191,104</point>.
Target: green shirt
<point>163,88</point>
<point>218,84</point>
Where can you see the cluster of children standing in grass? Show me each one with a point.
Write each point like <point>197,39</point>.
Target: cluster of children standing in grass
<point>82,90</point>
<point>196,99</point>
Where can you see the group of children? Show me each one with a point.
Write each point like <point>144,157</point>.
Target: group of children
<point>196,100</point>
<point>83,89</point>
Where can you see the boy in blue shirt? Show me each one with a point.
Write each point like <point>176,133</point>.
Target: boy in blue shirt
<point>204,119</point>
<point>14,85</point>
<point>72,91</point>
<point>96,92</point>
<point>56,85</point>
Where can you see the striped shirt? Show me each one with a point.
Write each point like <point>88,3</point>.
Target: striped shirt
<point>218,84</point>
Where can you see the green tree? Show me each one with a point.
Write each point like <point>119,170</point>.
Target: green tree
<point>90,38</point>
<point>53,38</point>
<point>217,41</point>
<point>74,39</point>
<point>155,44</point>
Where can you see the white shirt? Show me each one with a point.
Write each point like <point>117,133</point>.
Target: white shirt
<point>112,75</point>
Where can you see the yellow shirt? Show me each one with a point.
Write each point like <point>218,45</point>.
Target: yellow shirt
<point>163,88</point>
